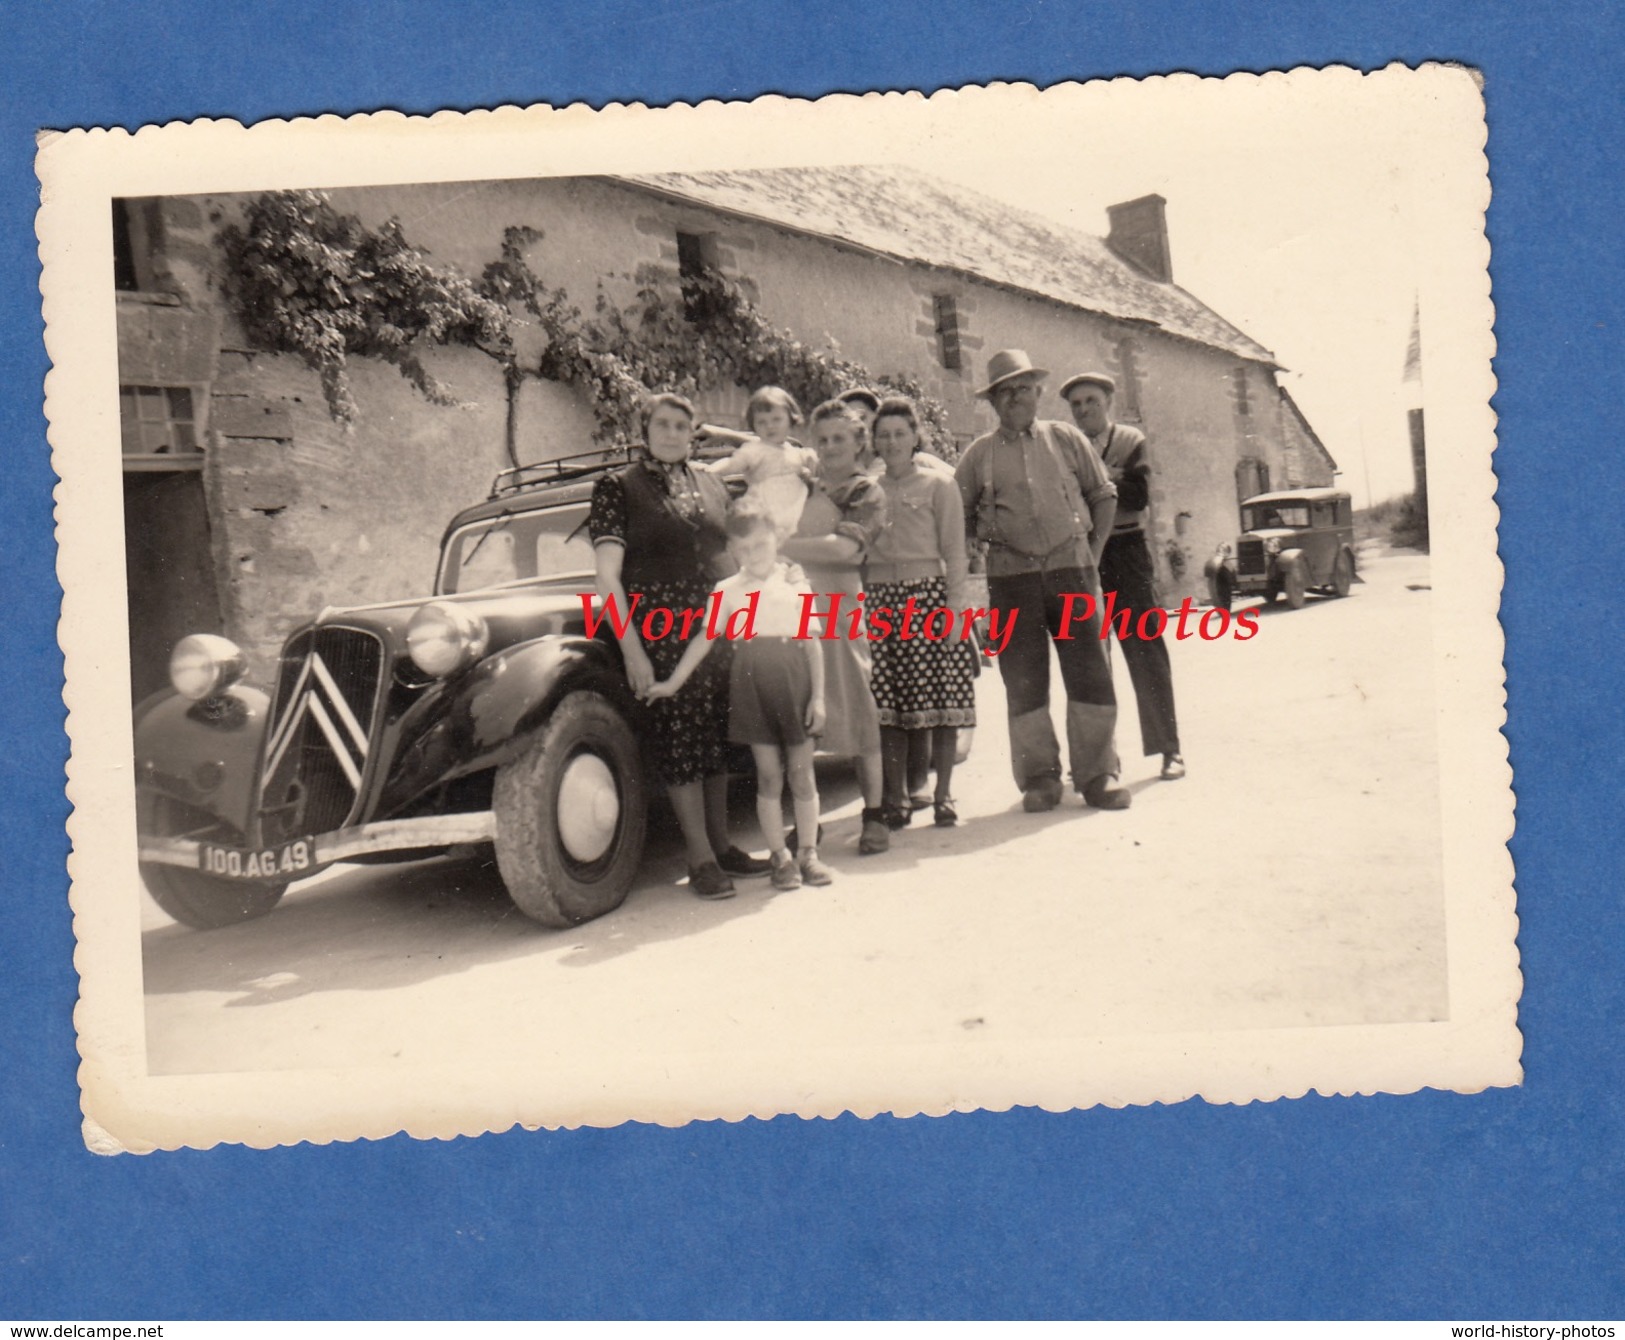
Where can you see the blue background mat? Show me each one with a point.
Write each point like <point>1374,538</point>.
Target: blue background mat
<point>1504,1205</point>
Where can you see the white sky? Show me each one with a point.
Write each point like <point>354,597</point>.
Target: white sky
<point>1291,216</point>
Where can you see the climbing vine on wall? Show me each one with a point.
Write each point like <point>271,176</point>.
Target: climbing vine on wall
<point>691,335</point>
<point>311,281</point>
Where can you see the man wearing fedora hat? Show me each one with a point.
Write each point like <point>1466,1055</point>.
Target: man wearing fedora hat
<point>1037,496</point>
<point>1125,563</point>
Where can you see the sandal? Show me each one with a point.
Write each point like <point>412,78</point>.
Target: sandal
<point>896,816</point>
<point>946,815</point>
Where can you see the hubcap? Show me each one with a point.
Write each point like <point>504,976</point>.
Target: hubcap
<point>589,807</point>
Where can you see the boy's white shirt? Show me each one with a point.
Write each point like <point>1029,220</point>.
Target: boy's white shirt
<point>778,610</point>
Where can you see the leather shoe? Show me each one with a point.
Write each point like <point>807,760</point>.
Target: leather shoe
<point>1173,767</point>
<point>742,863</point>
<point>708,881</point>
<point>1100,794</point>
<point>1041,796</point>
<point>875,836</point>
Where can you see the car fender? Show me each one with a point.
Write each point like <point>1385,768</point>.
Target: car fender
<point>480,719</point>
<point>1288,559</point>
<point>204,753</point>
<point>1220,561</point>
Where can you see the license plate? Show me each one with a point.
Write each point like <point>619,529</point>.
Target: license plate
<point>287,861</point>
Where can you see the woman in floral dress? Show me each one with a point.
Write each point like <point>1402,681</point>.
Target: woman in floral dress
<point>657,533</point>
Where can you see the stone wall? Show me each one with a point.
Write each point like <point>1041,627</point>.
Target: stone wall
<point>1307,459</point>
<point>308,514</point>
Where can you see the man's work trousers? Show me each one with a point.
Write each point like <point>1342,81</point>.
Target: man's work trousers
<point>1091,705</point>
<point>1126,568</point>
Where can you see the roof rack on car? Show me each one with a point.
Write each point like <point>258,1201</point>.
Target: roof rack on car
<point>711,444</point>
<point>518,478</point>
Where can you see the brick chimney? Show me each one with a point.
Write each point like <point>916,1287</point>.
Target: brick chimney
<point>1139,234</point>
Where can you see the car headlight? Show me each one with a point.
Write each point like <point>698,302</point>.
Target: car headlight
<point>204,664</point>
<point>1272,545</point>
<point>444,638</point>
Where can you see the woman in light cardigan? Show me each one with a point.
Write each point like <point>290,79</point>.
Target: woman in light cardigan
<point>920,685</point>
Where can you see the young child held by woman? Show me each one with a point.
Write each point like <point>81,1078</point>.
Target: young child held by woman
<point>776,469</point>
<point>776,693</point>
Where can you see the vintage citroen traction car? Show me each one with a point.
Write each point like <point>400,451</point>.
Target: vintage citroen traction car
<point>483,714</point>
<point>1292,542</point>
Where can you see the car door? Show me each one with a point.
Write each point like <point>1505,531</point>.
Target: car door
<point>1320,543</point>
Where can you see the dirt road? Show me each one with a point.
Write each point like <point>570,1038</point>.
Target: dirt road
<point>1293,878</point>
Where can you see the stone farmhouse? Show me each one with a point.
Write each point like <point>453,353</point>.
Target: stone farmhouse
<point>248,507</point>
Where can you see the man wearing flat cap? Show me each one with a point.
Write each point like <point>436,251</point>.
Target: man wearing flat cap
<point>1037,496</point>
<point>1125,562</point>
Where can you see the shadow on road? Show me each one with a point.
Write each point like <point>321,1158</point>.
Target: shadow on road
<point>376,928</point>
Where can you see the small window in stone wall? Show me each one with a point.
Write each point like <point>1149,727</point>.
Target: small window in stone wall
<point>1126,403</point>
<point>1238,378</point>
<point>696,258</point>
<point>947,318</point>
<point>1252,477</point>
<point>158,423</point>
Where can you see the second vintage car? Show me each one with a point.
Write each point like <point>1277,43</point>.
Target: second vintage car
<point>1292,542</point>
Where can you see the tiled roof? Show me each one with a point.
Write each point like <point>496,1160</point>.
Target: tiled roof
<point>915,217</point>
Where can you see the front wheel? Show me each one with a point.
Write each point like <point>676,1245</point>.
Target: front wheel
<point>570,814</point>
<point>203,902</point>
<point>1343,573</point>
<point>1294,586</point>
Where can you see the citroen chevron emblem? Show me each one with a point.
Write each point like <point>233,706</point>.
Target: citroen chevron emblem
<point>316,695</point>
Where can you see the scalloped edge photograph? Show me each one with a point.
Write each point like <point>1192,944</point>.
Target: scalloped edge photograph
<point>300,370</point>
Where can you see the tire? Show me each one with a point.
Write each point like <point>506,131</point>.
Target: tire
<point>1224,590</point>
<point>571,812</point>
<point>1342,573</point>
<point>1272,592</point>
<point>1294,586</point>
<point>202,902</point>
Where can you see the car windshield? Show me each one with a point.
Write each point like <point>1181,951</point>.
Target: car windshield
<point>550,543</point>
<point>1276,516</point>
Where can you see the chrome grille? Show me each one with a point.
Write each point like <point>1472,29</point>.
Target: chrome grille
<point>328,693</point>
<point>1250,561</point>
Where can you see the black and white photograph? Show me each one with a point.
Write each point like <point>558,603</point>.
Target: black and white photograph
<point>879,605</point>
